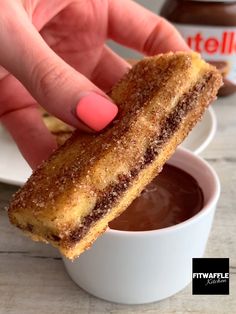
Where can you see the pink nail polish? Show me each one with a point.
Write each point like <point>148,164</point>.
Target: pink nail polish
<point>96,111</point>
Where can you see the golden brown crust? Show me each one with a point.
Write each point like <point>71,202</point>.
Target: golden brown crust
<point>70,198</point>
<point>58,128</point>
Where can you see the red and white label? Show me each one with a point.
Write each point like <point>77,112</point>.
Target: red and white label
<point>213,43</point>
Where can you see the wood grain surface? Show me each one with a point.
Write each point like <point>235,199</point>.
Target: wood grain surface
<point>32,275</point>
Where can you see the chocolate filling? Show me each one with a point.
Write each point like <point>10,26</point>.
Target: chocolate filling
<point>115,191</point>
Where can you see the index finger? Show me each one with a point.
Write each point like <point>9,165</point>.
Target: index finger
<point>136,27</point>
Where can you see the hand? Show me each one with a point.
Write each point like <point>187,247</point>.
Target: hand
<point>55,53</point>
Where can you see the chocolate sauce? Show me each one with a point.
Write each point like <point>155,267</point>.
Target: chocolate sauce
<point>172,197</point>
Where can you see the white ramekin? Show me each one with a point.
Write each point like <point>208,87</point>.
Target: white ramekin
<point>141,267</point>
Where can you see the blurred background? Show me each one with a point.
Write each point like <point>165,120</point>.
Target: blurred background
<point>153,5</point>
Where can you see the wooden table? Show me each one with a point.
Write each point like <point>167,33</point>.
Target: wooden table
<point>33,279</point>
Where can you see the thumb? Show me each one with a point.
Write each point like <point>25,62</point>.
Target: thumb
<point>62,91</point>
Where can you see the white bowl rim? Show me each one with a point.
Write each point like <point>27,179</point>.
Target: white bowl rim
<point>211,133</point>
<point>214,196</point>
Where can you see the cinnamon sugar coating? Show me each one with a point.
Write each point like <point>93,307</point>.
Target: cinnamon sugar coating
<point>92,178</point>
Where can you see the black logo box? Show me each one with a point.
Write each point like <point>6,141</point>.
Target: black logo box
<point>210,286</point>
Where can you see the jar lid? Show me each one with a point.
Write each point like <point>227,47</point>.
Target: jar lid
<point>213,0</point>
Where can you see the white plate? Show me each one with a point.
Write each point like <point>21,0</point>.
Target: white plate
<point>15,170</point>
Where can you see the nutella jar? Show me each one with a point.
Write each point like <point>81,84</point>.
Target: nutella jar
<point>209,27</point>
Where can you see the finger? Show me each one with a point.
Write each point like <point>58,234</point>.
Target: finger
<point>29,132</point>
<point>63,91</point>
<point>109,70</point>
<point>44,11</point>
<point>144,30</point>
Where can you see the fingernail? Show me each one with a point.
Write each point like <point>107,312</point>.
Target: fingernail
<point>96,111</point>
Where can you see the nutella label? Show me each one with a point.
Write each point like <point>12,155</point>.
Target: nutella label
<point>215,44</point>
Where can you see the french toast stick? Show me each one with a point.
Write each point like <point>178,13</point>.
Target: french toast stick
<point>70,199</point>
